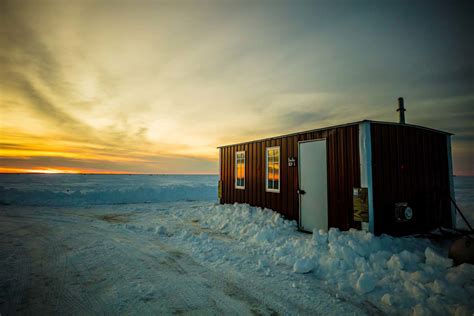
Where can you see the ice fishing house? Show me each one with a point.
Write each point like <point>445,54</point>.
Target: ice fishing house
<point>393,178</point>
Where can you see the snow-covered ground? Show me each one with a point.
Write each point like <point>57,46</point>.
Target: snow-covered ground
<point>464,193</point>
<point>190,255</point>
<point>89,189</point>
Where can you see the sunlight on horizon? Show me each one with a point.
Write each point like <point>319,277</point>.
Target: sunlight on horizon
<point>47,171</point>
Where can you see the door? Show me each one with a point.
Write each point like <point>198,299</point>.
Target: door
<point>313,182</point>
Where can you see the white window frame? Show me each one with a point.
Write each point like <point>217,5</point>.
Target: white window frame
<point>266,169</point>
<point>240,187</point>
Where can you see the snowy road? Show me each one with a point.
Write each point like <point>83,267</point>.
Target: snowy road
<point>121,260</point>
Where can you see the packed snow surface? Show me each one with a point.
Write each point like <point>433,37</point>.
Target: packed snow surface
<point>194,256</point>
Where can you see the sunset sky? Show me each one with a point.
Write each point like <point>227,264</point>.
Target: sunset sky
<point>156,86</point>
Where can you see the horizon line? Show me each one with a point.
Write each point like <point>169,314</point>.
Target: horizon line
<point>116,174</point>
<point>146,174</point>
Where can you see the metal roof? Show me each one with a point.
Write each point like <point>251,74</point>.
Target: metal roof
<point>336,126</point>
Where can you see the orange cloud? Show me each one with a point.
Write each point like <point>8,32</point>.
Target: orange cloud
<point>59,170</point>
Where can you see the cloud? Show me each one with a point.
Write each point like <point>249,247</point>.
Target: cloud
<point>173,165</point>
<point>23,51</point>
<point>157,86</point>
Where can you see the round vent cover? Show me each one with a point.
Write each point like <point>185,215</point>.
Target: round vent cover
<point>408,213</point>
<point>403,212</point>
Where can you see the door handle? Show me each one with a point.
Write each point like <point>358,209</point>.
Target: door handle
<point>301,192</point>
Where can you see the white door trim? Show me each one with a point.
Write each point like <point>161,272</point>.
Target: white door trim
<point>365,156</point>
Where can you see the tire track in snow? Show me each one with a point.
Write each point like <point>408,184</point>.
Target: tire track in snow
<point>182,265</point>
<point>228,286</point>
<point>53,266</point>
<point>272,297</point>
<point>16,276</point>
<point>150,272</point>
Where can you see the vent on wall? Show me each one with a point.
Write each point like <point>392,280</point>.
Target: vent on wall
<point>403,212</point>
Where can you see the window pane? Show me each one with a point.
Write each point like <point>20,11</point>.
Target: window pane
<point>239,169</point>
<point>273,166</point>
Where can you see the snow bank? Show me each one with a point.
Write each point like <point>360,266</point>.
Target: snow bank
<point>113,196</point>
<point>406,275</point>
<point>73,190</point>
<point>304,265</point>
<point>464,192</point>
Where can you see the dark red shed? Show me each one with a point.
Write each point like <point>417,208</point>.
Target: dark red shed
<point>312,176</point>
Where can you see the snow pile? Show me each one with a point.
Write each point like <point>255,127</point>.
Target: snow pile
<point>160,230</point>
<point>366,283</point>
<point>405,275</point>
<point>304,265</point>
<point>434,259</point>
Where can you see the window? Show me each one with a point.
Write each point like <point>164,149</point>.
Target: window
<point>273,169</point>
<point>240,170</point>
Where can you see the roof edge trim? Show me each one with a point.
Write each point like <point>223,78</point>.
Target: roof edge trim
<point>335,126</point>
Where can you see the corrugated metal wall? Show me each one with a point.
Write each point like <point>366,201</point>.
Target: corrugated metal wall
<point>409,165</point>
<point>343,174</point>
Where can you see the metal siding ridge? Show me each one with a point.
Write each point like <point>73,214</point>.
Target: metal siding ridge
<point>365,153</point>
<point>450,179</point>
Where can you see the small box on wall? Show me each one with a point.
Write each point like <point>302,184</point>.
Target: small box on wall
<point>360,203</point>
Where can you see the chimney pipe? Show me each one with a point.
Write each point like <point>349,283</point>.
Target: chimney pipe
<point>401,109</point>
